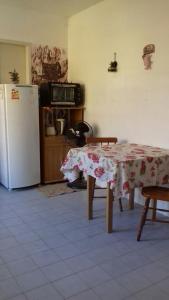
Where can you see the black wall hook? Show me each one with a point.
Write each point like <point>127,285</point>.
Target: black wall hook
<point>113,65</point>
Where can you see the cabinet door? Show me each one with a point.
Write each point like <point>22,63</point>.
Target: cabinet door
<point>55,150</point>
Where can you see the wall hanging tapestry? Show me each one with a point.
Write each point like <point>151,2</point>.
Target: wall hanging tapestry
<point>48,64</point>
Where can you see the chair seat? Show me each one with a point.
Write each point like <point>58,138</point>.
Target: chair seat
<point>156,192</point>
<point>152,193</point>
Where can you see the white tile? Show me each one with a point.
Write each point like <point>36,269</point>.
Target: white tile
<point>22,266</point>
<point>153,293</point>
<point>35,246</point>
<point>79,263</point>
<point>46,292</point>
<point>163,285</point>
<point>86,295</point>
<point>111,290</point>
<point>57,271</point>
<point>134,281</point>
<point>9,288</point>
<point>70,286</point>
<point>67,251</point>
<point>27,237</point>
<point>44,258</point>
<point>31,280</point>
<point>154,273</point>
<point>115,267</point>
<point>57,240</point>
<point>94,276</point>
<point>13,253</point>
<point>7,243</point>
<point>19,297</point>
<point>4,272</point>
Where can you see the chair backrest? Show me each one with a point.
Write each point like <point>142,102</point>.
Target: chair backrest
<point>101,140</point>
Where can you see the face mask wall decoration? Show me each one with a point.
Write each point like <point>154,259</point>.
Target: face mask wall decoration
<point>147,55</point>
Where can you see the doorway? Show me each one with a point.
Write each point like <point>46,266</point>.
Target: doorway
<point>13,57</point>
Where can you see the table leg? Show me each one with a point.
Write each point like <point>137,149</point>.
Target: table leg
<point>131,199</point>
<point>90,194</point>
<point>109,209</point>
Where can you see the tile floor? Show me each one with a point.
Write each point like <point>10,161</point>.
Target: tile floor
<point>50,251</point>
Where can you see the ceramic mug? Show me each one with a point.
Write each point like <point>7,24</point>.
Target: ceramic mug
<point>50,130</point>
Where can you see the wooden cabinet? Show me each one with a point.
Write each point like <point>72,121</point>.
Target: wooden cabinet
<point>54,145</point>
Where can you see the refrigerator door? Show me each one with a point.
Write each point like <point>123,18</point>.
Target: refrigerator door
<point>3,145</point>
<point>22,134</point>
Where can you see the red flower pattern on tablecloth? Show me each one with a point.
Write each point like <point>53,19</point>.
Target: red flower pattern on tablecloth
<point>113,182</point>
<point>129,157</point>
<point>126,186</point>
<point>76,167</point>
<point>65,160</point>
<point>149,159</point>
<point>129,162</point>
<point>158,161</point>
<point>166,179</point>
<point>143,168</point>
<point>138,151</point>
<point>132,174</point>
<point>99,172</point>
<point>152,174</point>
<point>93,157</point>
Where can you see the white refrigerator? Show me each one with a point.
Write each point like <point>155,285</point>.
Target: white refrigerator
<point>19,136</point>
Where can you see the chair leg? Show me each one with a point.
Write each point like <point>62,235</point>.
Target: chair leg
<point>120,205</point>
<point>143,218</point>
<point>154,210</point>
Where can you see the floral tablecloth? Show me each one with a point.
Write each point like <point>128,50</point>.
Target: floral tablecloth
<point>124,166</point>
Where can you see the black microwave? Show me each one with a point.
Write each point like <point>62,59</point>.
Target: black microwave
<point>60,94</point>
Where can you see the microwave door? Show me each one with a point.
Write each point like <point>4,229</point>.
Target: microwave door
<point>72,94</point>
<point>65,95</point>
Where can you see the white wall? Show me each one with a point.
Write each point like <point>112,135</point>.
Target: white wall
<point>132,104</point>
<point>28,26</point>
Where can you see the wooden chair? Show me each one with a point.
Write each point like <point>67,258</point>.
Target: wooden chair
<point>153,194</point>
<point>102,140</point>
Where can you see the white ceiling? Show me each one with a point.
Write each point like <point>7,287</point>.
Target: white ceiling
<point>66,8</point>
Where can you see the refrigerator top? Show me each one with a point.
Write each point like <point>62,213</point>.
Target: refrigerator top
<point>17,85</point>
